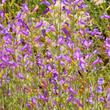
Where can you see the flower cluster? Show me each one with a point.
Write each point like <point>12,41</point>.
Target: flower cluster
<point>53,61</point>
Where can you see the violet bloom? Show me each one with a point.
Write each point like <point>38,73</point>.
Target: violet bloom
<point>61,40</point>
<point>100,81</point>
<point>66,32</point>
<point>65,2</point>
<point>95,32</point>
<point>108,95</point>
<point>70,98</point>
<point>77,101</point>
<point>70,44</point>
<point>82,66</point>
<point>62,63</point>
<point>99,89</point>
<point>39,24</point>
<point>37,39</point>
<point>20,76</point>
<point>3,1</point>
<point>82,5</point>
<point>67,10</point>
<point>54,1</point>
<point>46,3</point>
<point>72,91</point>
<point>48,54</point>
<point>8,38</point>
<point>55,74</point>
<point>51,28</point>
<point>28,105</point>
<point>10,50</point>
<point>108,52</point>
<point>25,7</point>
<point>1,27</point>
<point>76,2</point>
<point>5,58</point>
<point>43,32</point>
<point>82,22</point>
<point>87,43</point>
<point>105,16</point>
<point>24,29</point>
<point>2,14</point>
<point>66,57</point>
<point>43,98</point>
<point>102,99</point>
<point>107,42</point>
<point>77,54</point>
<point>46,10</point>
<point>33,100</point>
<point>49,67</point>
<point>90,100</point>
<point>97,61</point>
<point>28,49</point>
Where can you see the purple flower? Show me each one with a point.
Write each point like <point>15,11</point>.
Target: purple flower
<point>54,1</point>
<point>28,105</point>
<point>48,54</point>
<point>82,65</point>
<point>100,81</point>
<point>70,98</point>
<point>8,38</point>
<point>55,74</point>
<point>61,40</point>
<point>49,67</point>
<point>22,24</point>
<point>108,52</point>
<point>46,3</point>
<point>82,22</point>
<point>107,42</point>
<point>102,99</point>
<point>66,32</point>
<point>20,75</point>
<point>71,90</point>
<point>82,5</point>
<point>105,16</point>
<point>77,101</point>
<point>43,32</point>
<point>5,58</point>
<point>10,50</point>
<point>67,10</point>
<point>51,28</point>
<point>108,98</point>
<point>43,98</point>
<point>99,89</point>
<point>76,3</point>
<point>90,100</point>
<point>3,1</point>
<point>2,14</point>
<point>33,99</point>
<point>66,57</point>
<point>97,61</point>
<point>70,44</point>
<point>39,24</point>
<point>37,39</point>
<point>46,10</point>
<point>95,32</point>
<point>77,54</point>
<point>25,7</point>
<point>87,43</point>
